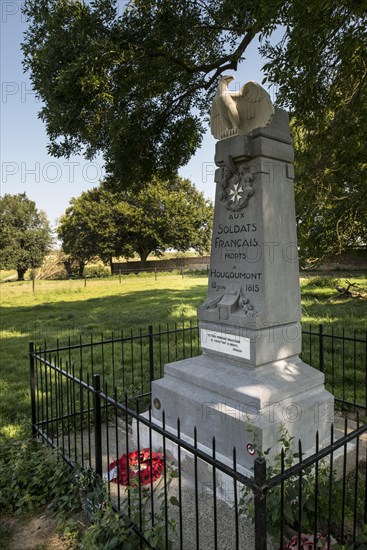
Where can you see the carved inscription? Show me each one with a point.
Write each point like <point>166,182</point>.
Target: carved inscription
<point>234,239</point>
<point>235,274</point>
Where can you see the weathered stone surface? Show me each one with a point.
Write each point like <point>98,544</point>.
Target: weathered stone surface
<point>250,383</point>
<point>241,405</point>
<point>253,276</point>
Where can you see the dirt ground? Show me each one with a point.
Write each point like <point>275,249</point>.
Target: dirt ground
<point>38,532</point>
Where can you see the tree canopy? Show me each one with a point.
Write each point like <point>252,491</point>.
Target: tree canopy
<point>90,229</point>
<point>25,234</point>
<point>165,214</point>
<point>137,84</point>
<point>321,72</point>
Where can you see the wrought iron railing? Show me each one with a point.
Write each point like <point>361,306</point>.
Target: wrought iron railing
<point>87,397</point>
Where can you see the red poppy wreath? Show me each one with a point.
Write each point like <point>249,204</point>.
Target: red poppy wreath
<point>130,469</point>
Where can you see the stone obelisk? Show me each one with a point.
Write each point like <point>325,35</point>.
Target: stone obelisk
<point>249,382</point>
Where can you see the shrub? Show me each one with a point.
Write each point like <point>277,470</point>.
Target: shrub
<point>33,476</point>
<point>97,271</point>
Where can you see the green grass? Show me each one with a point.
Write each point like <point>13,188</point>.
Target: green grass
<point>59,309</point>
<point>63,309</point>
<point>6,273</point>
<point>319,305</point>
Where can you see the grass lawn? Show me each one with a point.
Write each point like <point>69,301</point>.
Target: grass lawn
<point>59,309</point>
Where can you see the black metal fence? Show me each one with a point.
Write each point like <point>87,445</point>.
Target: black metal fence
<point>88,398</point>
<point>342,357</point>
<point>130,361</point>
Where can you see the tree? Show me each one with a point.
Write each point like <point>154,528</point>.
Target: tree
<point>165,214</point>
<point>322,78</point>
<point>137,86</point>
<point>89,229</point>
<point>25,234</point>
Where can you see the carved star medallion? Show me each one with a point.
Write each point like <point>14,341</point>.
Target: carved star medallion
<point>235,194</point>
<point>236,187</point>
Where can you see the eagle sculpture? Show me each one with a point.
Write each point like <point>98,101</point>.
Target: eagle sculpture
<point>240,112</point>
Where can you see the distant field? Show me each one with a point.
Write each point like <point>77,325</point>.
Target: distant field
<point>59,309</point>
<point>6,273</point>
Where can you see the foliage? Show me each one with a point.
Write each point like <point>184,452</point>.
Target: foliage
<point>320,68</point>
<point>135,80</point>
<point>359,544</point>
<point>32,477</point>
<point>111,530</point>
<point>88,229</point>
<point>156,534</point>
<point>97,271</point>
<point>69,532</point>
<point>299,514</point>
<point>6,532</point>
<point>164,214</point>
<point>25,234</point>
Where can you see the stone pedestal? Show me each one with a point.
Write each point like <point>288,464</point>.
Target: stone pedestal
<point>250,382</point>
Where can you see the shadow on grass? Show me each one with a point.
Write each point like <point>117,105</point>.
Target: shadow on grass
<point>64,319</point>
<point>133,310</point>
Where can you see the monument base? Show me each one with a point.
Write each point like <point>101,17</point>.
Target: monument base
<point>224,486</point>
<point>203,471</point>
<point>244,407</point>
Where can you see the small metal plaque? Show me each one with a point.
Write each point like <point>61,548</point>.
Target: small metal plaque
<point>222,342</point>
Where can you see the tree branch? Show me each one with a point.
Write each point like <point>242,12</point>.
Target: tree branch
<point>231,58</point>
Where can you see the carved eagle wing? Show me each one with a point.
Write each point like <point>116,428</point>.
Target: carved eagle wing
<point>254,106</point>
<point>234,113</point>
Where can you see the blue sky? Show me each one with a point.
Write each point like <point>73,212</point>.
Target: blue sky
<point>25,164</point>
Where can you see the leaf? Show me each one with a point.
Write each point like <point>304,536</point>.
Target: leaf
<point>173,500</point>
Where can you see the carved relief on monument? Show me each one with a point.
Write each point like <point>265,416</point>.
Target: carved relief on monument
<point>230,300</point>
<point>236,186</point>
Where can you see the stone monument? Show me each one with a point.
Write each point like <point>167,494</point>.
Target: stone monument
<point>249,381</point>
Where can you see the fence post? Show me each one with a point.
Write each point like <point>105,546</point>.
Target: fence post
<point>33,388</point>
<point>260,504</point>
<point>321,348</point>
<point>151,355</point>
<point>97,423</point>
<point>120,276</point>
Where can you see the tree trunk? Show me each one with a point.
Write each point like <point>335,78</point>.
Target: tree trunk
<point>143,257</point>
<point>67,265</point>
<point>111,265</point>
<point>21,273</point>
<point>81,269</point>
